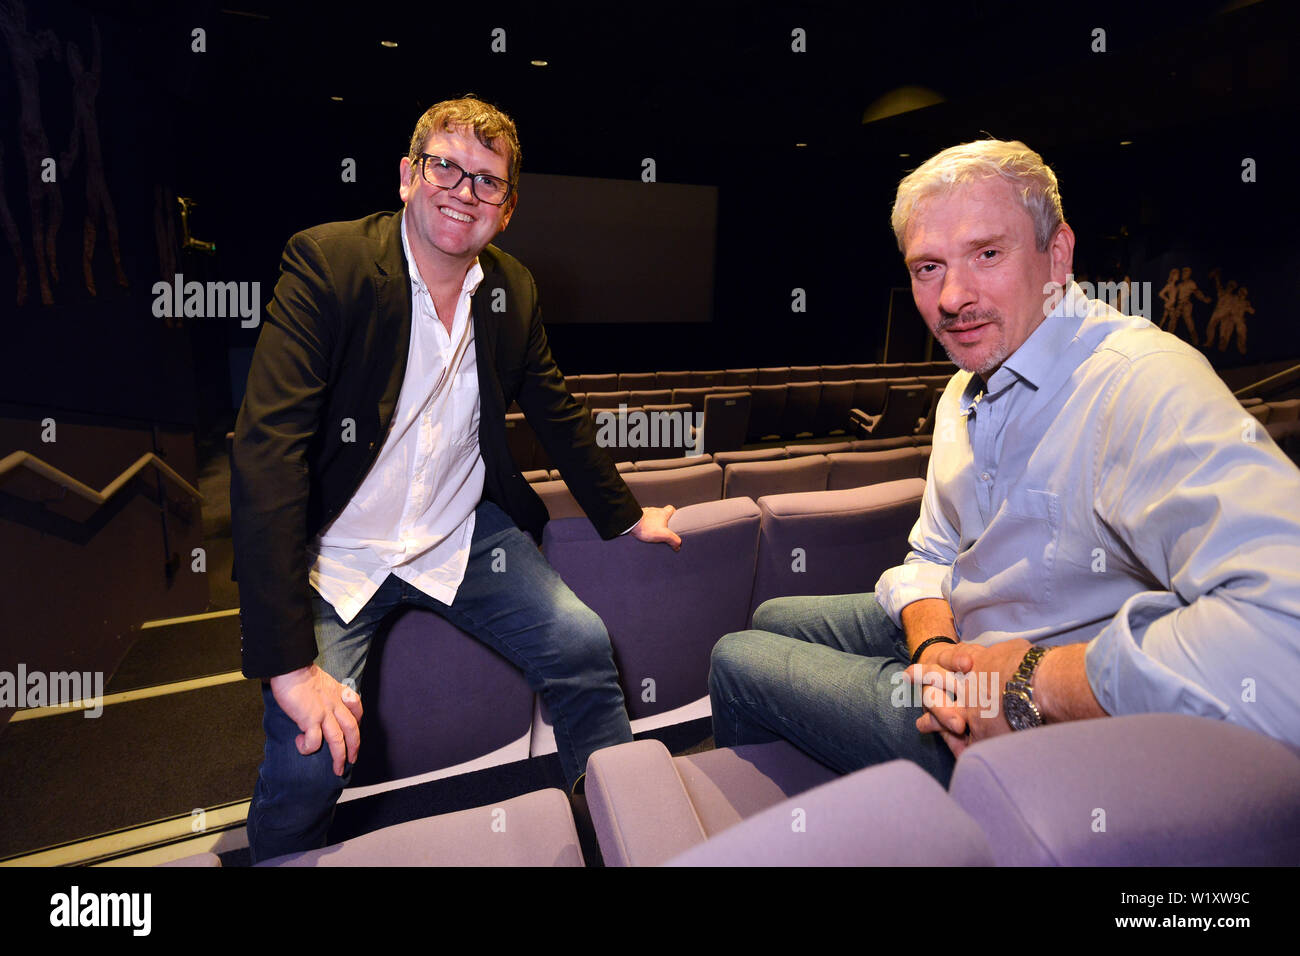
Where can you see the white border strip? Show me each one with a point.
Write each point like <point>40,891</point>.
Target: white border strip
<point>189,618</point>
<point>140,693</point>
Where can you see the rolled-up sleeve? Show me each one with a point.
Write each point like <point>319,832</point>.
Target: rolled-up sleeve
<point>927,569</point>
<point>1207,504</point>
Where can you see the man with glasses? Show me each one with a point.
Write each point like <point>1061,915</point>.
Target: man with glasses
<point>371,471</point>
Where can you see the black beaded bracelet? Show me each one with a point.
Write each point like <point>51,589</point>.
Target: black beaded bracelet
<point>916,655</point>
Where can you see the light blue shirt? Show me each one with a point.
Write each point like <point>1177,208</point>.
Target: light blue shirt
<point>1106,487</point>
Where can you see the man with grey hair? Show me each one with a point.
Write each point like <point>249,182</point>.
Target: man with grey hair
<point>1103,530</point>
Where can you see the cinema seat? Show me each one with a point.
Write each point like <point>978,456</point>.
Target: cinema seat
<point>1140,790</point>
<point>536,829</point>
<point>769,804</point>
<point>757,478</point>
<point>437,698</point>
<point>677,486</point>
<point>775,453</point>
<point>846,539</point>
<point>726,419</point>
<point>924,827</point>
<point>833,408</point>
<point>664,464</point>
<point>632,381</point>
<point>857,469</point>
<point>799,419</point>
<point>741,376</point>
<point>767,406</point>
<point>664,609</point>
<point>805,373</point>
<point>904,408</point>
<point>774,375</point>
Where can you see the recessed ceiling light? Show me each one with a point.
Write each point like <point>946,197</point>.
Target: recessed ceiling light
<point>801,144</point>
<point>540,62</point>
<point>1126,142</point>
<point>904,155</point>
<point>337,99</point>
<point>388,43</point>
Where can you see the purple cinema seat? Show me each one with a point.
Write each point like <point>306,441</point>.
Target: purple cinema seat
<point>884,444</point>
<point>647,806</point>
<point>817,448</point>
<point>766,408</point>
<point>666,464</point>
<point>434,698</point>
<point>799,420</point>
<point>860,468</point>
<point>664,609</point>
<point>753,479</point>
<point>774,375</point>
<point>838,373</point>
<point>600,383</point>
<point>869,395</point>
<point>833,408</point>
<point>726,420</point>
<point>631,381</point>
<point>672,379</point>
<point>693,396</point>
<point>892,814</point>
<point>535,829</point>
<point>847,538</point>
<point>709,379</point>
<point>559,500</point>
<point>650,396</point>
<point>775,453</point>
<point>1139,790</point>
<point>606,400</point>
<point>676,486</point>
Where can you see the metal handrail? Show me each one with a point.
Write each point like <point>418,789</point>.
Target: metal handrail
<point>22,459</point>
<point>1262,382</point>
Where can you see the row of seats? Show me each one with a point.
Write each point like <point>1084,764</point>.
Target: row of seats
<point>436,699</point>
<point>1273,413</point>
<point>1109,792</point>
<point>689,481</point>
<point>773,375</point>
<point>731,416</point>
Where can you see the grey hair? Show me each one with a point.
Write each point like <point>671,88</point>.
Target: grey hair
<point>1024,169</point>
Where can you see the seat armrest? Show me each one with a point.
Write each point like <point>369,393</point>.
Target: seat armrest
<point>640,810</point>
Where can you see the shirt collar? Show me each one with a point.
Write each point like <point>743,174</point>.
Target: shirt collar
<point>473,276</point>
<point>1039,354</point>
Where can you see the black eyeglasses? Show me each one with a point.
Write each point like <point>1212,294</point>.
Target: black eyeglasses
<point>440,171</point>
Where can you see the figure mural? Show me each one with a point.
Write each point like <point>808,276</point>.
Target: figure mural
<point>43,196</point>
<point>1230,310</point>
<point>85,86</point>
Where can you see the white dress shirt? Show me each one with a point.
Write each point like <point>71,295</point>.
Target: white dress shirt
<point>413,515</point>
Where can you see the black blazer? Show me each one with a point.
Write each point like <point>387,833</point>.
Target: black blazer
<point>321,391</point>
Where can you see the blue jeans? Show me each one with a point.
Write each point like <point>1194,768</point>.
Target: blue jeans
<point>527,614</point>
<point>824,673</point>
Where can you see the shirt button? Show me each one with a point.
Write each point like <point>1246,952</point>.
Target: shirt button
<point>985,476</point>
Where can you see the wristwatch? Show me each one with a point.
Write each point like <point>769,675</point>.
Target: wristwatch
<point>1018,698</point>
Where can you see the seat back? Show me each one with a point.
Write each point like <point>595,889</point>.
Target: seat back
<point>664,610</point>
<point>833,542</point>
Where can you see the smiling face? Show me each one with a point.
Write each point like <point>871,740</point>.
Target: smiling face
<point>977,275</point>
<point>447,228</point>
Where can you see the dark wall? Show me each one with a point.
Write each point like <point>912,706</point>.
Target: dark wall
<point>248,130</point>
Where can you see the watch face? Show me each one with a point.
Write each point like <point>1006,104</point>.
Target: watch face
<point>1019,710</point>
